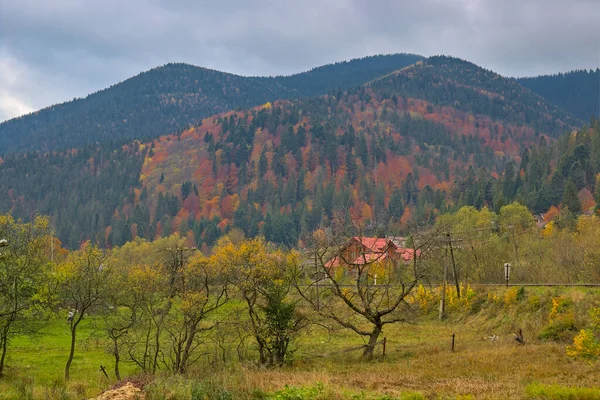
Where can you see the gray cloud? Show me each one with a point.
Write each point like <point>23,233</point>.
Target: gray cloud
<point>54,51</point>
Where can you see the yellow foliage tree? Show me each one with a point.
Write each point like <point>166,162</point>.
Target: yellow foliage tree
<point>257,271</point>
<point>84,280</point>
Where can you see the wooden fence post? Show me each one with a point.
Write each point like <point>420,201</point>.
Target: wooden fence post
<point>103,371</point>
<point>453,336</point>
<point>384,345</point>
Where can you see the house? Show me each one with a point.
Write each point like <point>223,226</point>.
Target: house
<point>359,251</point>
<point>540,220</point>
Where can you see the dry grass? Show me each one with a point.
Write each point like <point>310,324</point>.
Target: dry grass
<point>486,370</point>
<point>418,360</point>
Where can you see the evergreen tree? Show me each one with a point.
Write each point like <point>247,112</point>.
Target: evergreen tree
<point>395,206</point>
<point>570,198</point>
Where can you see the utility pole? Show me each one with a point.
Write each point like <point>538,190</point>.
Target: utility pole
<point>455,274</point>
<point>52,246</point>
<point>317,283</point>
<point>443,297</point>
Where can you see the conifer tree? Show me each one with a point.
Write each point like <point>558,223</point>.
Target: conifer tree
<point>570,198</point>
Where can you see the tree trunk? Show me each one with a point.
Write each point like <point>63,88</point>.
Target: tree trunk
<point>156,350</point>
<point>4,347</point>
<point>185,359</point>
<point>117,358</point>
<point>4,339</point>
<point>73,335</point>
<point>262,356</point>
<point>370,347</point>
<point>71,353</point>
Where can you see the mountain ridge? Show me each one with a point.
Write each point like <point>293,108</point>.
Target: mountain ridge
<point>576,91</point>
<point>173,97</point>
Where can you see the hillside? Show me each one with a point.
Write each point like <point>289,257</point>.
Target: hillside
<point>577,91</point>
<point>173,97</point>
<point>562,173</point>
<point>381,153</point>
<point>456,83</point>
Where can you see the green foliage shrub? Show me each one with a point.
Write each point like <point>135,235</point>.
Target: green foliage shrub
<point>557,392</point>
<point>299,393</point>
<point>209,390</point>
<point>561,321</point>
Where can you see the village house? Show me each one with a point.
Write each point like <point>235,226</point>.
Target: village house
<point>387,253</point>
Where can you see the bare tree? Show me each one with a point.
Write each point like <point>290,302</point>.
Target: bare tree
<point>359,287</point>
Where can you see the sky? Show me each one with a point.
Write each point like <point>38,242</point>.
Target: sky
<point>54,51</point>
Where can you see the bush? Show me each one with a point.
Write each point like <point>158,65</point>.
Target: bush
<point>209,390</point>
<point>585,345</point>
<point>299,393</point>
<point>559,330</point>
<point>556,392</point>
<point>427,300</point>
<point>534,303</point>
<point>561,321</point>
<point>511,296</point>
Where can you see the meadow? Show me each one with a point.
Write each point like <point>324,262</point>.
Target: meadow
<point>419,362</point>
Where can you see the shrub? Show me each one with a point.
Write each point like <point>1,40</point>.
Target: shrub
<point>559,330</point>
<point>426,299</point>
<point>534,303</point>
<point>561,321</point>
<point>585,345</point>
<point>467,298</point>
<point>556,392</point>
<point>511,296</point>
<point>299,393</point>
<point>282,323</point>
<point>209,390</point>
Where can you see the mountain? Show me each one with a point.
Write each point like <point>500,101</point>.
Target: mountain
<point>464,86</point>
<point>408,146</point>
<point>174,97</point>
<point>577,91</point>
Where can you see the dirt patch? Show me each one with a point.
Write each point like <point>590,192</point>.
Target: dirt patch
<point>126,392</point>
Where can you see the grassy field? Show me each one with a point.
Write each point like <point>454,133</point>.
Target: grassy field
<point>419,362</point>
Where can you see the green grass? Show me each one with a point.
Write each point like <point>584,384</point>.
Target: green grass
<point>418,365</point>
<point>40,360</point>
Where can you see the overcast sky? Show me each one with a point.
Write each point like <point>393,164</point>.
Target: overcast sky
<point>54,50</point>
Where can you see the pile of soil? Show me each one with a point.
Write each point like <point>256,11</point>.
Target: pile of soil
<point>128,391</point>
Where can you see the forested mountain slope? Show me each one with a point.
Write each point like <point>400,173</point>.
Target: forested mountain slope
<point>565,172</point>
<point>464,86</point>
<point>173,97</point>
<point>401,148</point>
<point>577,91</point>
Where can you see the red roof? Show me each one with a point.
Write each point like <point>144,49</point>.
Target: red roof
<point>373,244</point>
<point>407,253</point>
<point>374,249</point>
